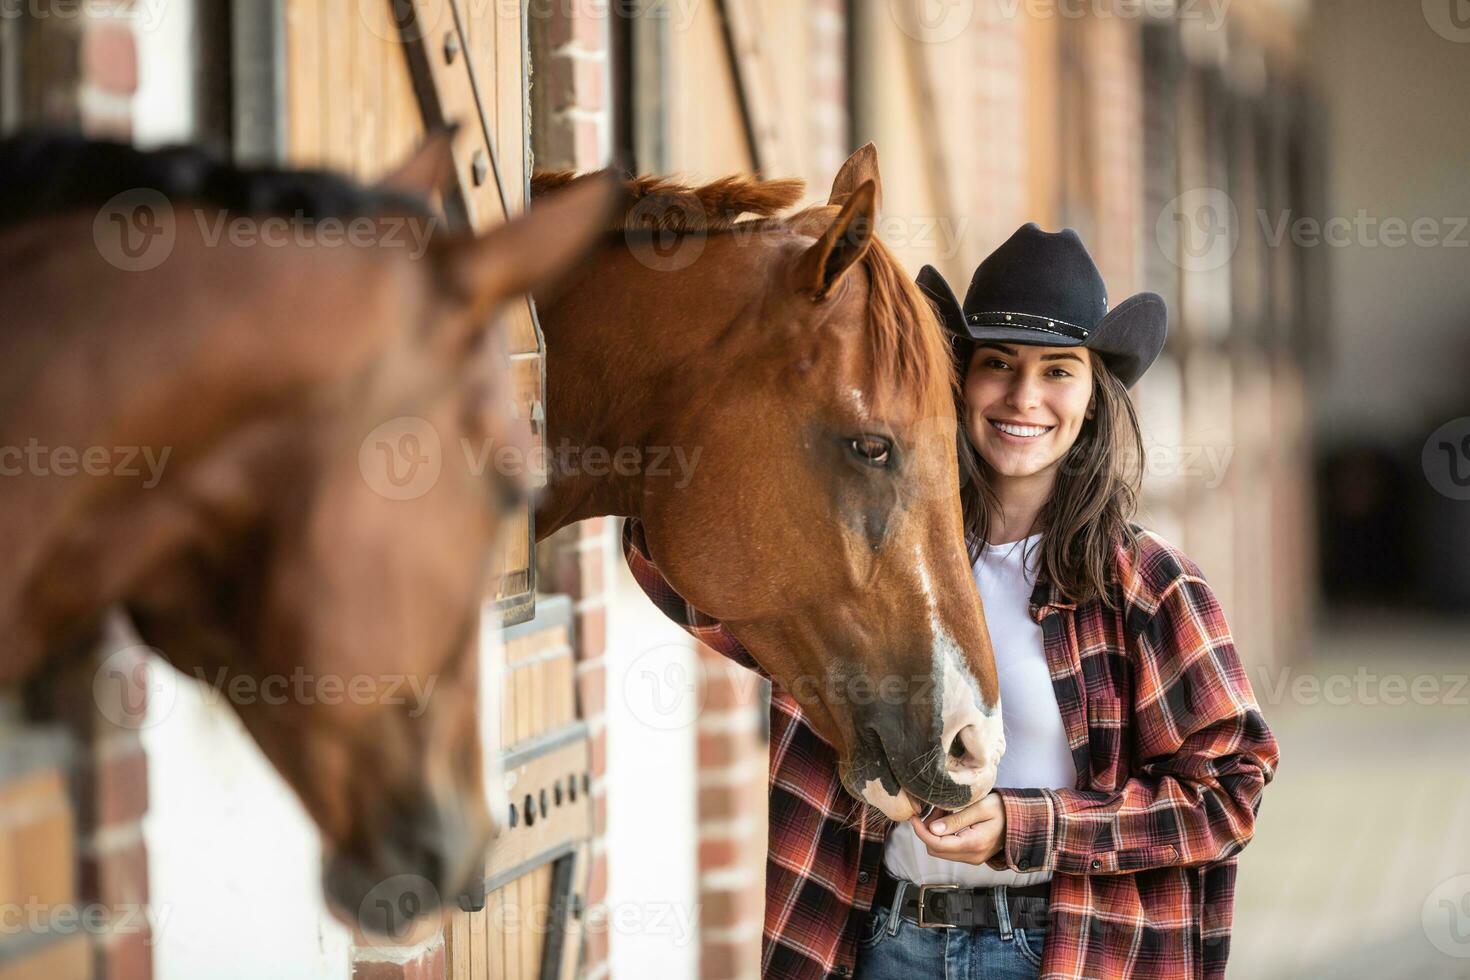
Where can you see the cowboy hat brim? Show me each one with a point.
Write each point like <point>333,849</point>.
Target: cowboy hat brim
<point>1129,337</point>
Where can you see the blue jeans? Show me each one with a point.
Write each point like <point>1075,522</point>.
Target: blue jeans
<point>891,947</point>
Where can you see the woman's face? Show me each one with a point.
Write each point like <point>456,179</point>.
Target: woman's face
<point>1025,405</point>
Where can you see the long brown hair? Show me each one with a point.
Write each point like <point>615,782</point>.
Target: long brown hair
<point>1091,507</point>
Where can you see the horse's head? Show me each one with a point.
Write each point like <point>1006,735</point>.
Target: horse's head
<point>357,533</point>
<point>822,523</point>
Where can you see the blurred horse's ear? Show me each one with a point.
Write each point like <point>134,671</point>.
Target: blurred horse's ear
<point>844,242</point>
<point>428,169</point>
<point>532,251</point>
<point>862,166</point>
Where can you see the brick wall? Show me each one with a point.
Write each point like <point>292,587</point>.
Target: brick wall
<point>571,127</point>
<point>73,792</point>
<point>73,772</point>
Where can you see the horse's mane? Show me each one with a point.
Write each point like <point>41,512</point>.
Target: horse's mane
<point>45,172</point>
<point>909,345</point>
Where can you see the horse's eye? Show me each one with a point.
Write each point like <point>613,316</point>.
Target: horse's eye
<point>873,450</point>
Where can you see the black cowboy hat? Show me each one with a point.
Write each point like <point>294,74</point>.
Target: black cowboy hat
<point>1043,288</point>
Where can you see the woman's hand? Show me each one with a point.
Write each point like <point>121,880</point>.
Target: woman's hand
<point>973,835</point>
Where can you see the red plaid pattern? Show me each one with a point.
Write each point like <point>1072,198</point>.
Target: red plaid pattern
<point>1172,752</point>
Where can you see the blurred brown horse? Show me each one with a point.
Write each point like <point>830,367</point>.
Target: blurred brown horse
<point>223,438</point>
<point>772,399</point>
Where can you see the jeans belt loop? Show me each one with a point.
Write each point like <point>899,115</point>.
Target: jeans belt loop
<point>1002,911</point>
<point>895,914</point>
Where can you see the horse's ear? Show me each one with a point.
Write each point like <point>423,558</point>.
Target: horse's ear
<point>860,167</point>
<point>845,241</point>
<point>427,170</point>
<point>529,252</point>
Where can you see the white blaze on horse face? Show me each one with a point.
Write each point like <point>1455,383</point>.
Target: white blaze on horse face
<point>963,713</point>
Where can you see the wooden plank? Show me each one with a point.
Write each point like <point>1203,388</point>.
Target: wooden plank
<point>303,82</point>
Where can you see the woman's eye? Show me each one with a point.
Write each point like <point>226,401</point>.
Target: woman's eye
<point>873,450</point>
<point>996,364</point>
<point>1060,373</point>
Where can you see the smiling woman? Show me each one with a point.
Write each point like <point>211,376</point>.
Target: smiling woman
<point>1126,707</point>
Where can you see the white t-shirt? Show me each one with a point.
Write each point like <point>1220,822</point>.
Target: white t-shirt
<point>1036,742</point>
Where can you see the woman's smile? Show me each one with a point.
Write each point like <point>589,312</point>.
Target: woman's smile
<point>1020,432</point>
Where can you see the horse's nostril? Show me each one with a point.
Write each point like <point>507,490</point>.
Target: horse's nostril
<point>957,748</point>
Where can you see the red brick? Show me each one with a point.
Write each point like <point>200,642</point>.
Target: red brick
<point>582,23</point>
<point>126,956</point>
<point>595,950</point>
<point>591,631</point>
<point>116,877</point>
<point>597,880</point>
<point>117,792</point>
<point>720,852</point>
<point>597,753</point>
<point>590,577</point>
<point>592,692</point>
<point>728,961</point>
<point>719,749</point>
<point>574,80</point>
<point>723,803</point>
<point>430,965</point>
<point>110,57</point>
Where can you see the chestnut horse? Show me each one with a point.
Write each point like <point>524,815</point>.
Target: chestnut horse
<point>201,441</point>
<point>772,400</point>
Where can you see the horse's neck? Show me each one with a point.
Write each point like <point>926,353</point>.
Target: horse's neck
<point>627,348</point>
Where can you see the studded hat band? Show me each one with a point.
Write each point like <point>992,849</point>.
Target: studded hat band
<point>1030,321</point>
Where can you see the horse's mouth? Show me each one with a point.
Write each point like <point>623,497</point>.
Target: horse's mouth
<point>386,907</point>
<point>899,791</point>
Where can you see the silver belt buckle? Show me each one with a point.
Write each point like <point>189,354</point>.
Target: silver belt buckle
<point>924,891</point>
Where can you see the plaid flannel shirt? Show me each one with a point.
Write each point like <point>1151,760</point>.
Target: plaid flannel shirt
<point>1172,754</point>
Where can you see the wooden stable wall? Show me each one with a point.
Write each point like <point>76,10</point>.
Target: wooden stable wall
<point>360,93</point>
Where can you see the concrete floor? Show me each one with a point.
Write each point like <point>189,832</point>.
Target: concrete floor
<point>1361,862</point>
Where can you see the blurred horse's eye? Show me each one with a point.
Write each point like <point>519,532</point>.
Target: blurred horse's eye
<point>873,450</point>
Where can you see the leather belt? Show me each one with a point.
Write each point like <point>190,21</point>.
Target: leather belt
<point>953,907</point>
